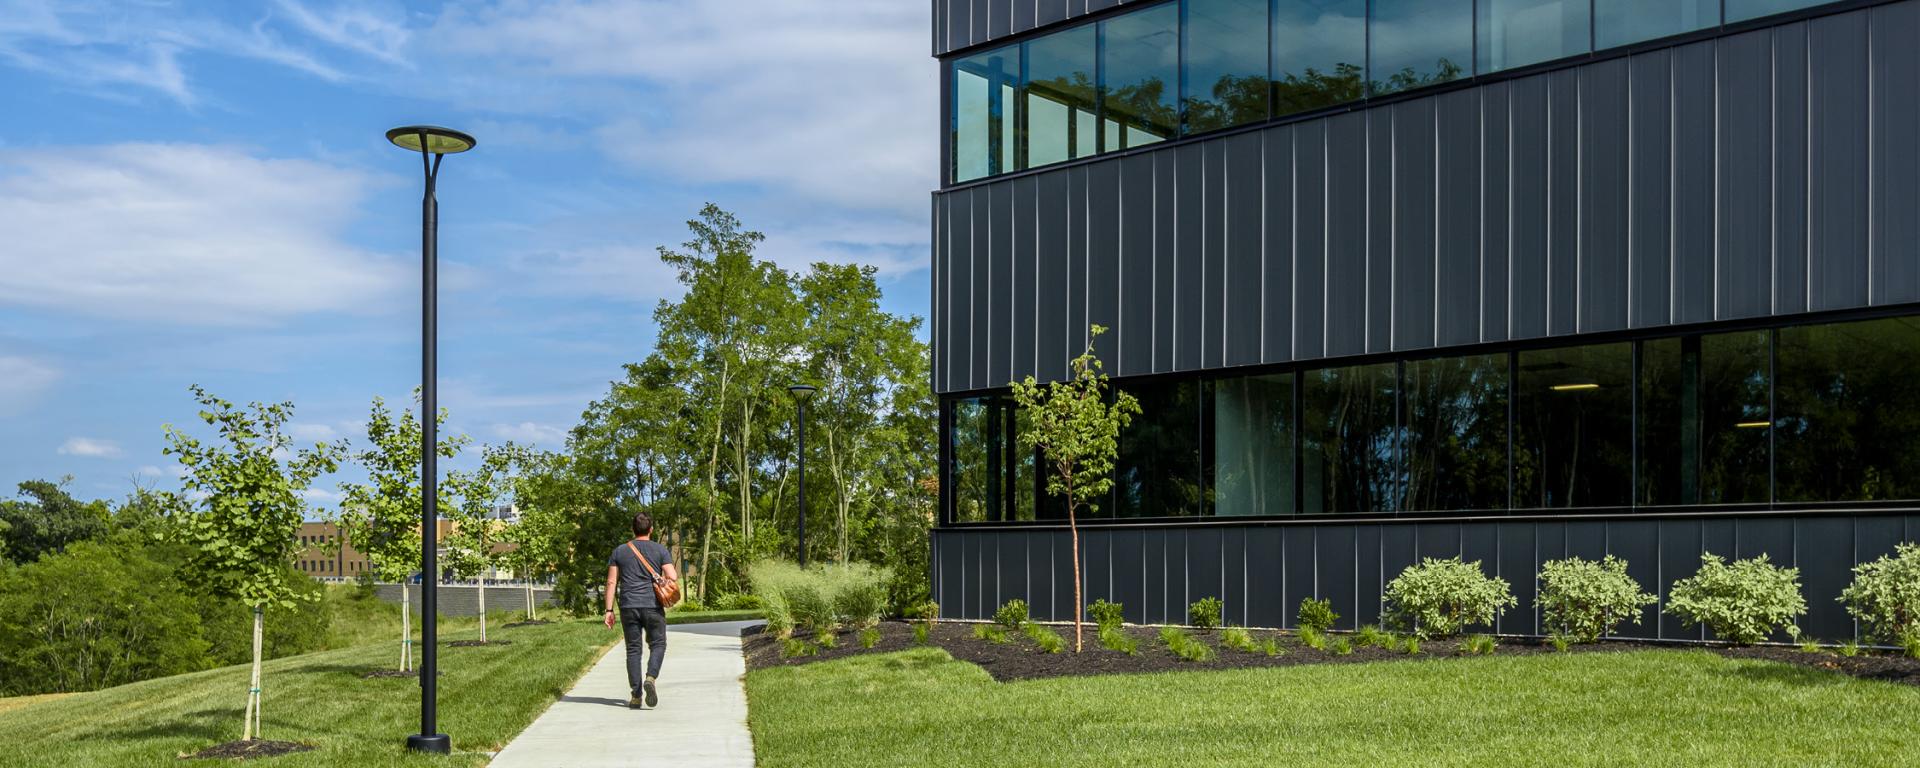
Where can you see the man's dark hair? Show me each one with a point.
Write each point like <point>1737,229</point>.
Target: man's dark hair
<point>642,524</point>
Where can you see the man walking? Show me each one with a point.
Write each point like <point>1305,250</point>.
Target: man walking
<point>631,572</point>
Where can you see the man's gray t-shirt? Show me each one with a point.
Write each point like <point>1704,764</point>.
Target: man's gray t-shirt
<point>636,584</point>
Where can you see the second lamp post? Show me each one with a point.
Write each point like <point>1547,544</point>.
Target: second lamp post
<point>801,394</point>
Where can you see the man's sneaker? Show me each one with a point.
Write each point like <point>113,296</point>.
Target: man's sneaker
<point>634,703</point>
<point>653,696</point>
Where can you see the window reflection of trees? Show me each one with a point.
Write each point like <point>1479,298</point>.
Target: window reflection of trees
<point>1456,433</point>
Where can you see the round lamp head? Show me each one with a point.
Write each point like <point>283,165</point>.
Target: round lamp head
<point>430,139</point>
<point>802,391</point>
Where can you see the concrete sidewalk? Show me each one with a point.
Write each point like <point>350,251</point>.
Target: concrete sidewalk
<point>701,720</point>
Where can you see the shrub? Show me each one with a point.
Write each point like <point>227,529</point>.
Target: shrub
<point>1583,600</point>
<point>826,640</point>
<point>1013,615</point>
<point>1849,649</point>
<point>1412,645</point>
<point>739,601</point>
<point>119,607</point>
<point>1048,640</point>
<point>820,598</point>
<point>794,647</point>
<point>1370,635</point>
<point>859,593</point>
<point>991,633</point>
<point>1313,638</point>
<point>1184,645</point>
<point>779,619</point>
<point>1442,597</point>
<point>1560,643</point>
<point>1742,601</point>
<point>1340,646</point>
<point>811,609</point>
<point>869,637</point>
<point>1885,597</point>
<point>1478,645</point>
<point>1204,613</point>
<point>1105,614</point>
<point>1317,614</point>
<point>1810,645</point>
<point>688,605</point>
<point>1271,647</point>
<point>1238,639</point>
<point>1113,638</point>
<point>920,634</point>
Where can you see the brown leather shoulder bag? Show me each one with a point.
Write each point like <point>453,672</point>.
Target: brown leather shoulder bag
<point>666,590</point>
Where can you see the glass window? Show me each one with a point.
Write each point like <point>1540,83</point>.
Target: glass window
<point>1347,439</point>
<point>1162,467</point>
<point>1253,446</point>
<point>1419,42</point>
<point>1226,65</point>
<point>1623,22</point>
<point>983,88</point>
<point>1515,33</point>
<point>1704,419</point>
<point>1455,455</point>
<point>1573,441</point>
<point>1741,10</point>
<point>993,479</point>
<point>1849,411</point>
<point>1140,67</point>
<point>1060,97</point>
<point>1319,53</point>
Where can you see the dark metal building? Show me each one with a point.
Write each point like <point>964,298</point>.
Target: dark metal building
<point>1515,280</point>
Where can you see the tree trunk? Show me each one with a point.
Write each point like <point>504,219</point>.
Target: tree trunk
<point>252,727</point>
<point>483,610</point>
<point>713,484</point>
<point>1073,525</point>
<point>406,627</point>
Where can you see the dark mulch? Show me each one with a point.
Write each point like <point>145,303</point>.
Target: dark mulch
<point>383,673</point>
<point>1020,659</point>
<point>248,750</point>
<point>1869,665</point>
<point>477,643</point>
<point>529,623</point>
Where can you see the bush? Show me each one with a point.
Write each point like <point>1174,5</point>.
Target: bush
<point>826,640</point>
<point>811,608</point>
<point>920,634</point>
<point>1742,602</point>
<point>859,598</point>
<point>739,601</point>
<point>1113,638</point>
<point>1313,638</point>
<point>1013,615</point>
<point>869,637</point>
<point>1478,645</point>
<point>1411,646</point>
<point>1105,614</point>
<point>1583,600</point>
<point>1048,640</point>
<point>1370,635</point>
<point>1184,645</point>
<point>1204,613</point>
<point>794,647</point>
<point>1238,639</point>
<point>1317,614</point>
<point>95,616</point>
<point>1885,597</point>
<point>689,605</point>
<point>227,625</point>
<point>992,633</point>
<point>1339,646</point>
<point>819,598</point>
<point>1442,597</point>
<point>779,619</point>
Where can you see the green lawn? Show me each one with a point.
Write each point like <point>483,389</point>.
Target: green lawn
<point>487,695</point>
<point>1690,708</point>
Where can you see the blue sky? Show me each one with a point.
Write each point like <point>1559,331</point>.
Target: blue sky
<point>201,192</point>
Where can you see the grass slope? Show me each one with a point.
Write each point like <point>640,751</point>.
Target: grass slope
<point>1689,708</point>
<point>487,695</point>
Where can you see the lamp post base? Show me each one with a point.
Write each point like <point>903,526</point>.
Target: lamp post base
<point>438,744</point>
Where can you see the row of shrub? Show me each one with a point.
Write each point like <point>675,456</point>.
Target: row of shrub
<point>818,600</point>
<point>1742,602</point>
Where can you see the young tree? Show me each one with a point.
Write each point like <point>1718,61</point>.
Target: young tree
<point>1077,432</point>
<point>552,503</point>
<point>472,544</point>
<point>381,518</point>
<point>241,509</point>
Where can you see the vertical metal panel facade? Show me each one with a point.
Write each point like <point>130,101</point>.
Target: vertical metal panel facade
<point>1767,173</point>
<point>1262,572</point>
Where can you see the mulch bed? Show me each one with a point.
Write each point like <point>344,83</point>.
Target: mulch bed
<point>248,750</point>
<point>477,643</point>
<point>1020,659</point>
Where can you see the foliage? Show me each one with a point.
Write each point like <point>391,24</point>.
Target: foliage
<point>739,601</point>
<point>1411,645</point>
<point>1560,643</point>
<point>1204,613</point>
<point>1442,597</point>
<point>1105,614</point>
<point>1316,614</point>
<point>1048,640</point>
<point>1113,638</point>
<point>812,608</point>
<point>920,633</point>
<point>1339,645</point>
<point>1583,600</point>
<point>1012,615</point>
<point>1478,645</point>
<point>381,517</point>
<point>306,625</point>
<point>1239,639</point>
<point>1742,602</point>
<point>1848,649</point>
<point>826,639</point>
<point>93,616</point>
<point>992,633</point>
<point>1313,638</point>
<point>1885,597</point>
<point>869,637</point>
<point>1184,645</point>
<point>1811,645</point>
<point>1372,635</point>
<point>792,647</point>
<point>819,597</point>
<point>859,593</point>
<point>1075,427</point>
<point>45,519</point>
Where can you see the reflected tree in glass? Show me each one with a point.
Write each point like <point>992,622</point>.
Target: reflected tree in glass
<point>1515,33</point>
<point>1417,43</point>
<point>1226,64</point>
<point>1704,419</point>
<point>1347,439</point>
<point>1623,22</point>
<point>969,463</point>
<point>1455,455</point>
<point>1141,67</point>
<point>1573,441</point>
<point>1253,445</point>
<point>1162,467</point>
<point>1061,96</point>
<point>1849,411</point>
<point>1319,53</point>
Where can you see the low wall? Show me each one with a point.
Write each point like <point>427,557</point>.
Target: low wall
<point>464,599</point>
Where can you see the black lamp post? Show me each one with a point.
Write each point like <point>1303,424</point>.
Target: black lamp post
<point>801,394</point>
<point>433,144</point>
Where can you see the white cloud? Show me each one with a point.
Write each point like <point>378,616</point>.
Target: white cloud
<point>182,232</point>
<point>171,470</point>
<point>88,447</point>
<point>311,433</point>
<point>22,380</point>
<point>835,105</point>
<point>360,30</point>
<point>529,433</point>
<point>320,495</point>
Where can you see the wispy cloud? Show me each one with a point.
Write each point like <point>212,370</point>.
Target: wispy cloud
<point>529,433</point>
<point>22,380</point>
<point>357,29</point>
<point>88,447</point>
<point>200,234</point>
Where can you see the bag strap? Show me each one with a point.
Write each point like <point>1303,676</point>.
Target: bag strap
<point>643,561</point>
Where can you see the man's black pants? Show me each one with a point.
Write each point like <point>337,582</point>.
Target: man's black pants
<point>652,621</point>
